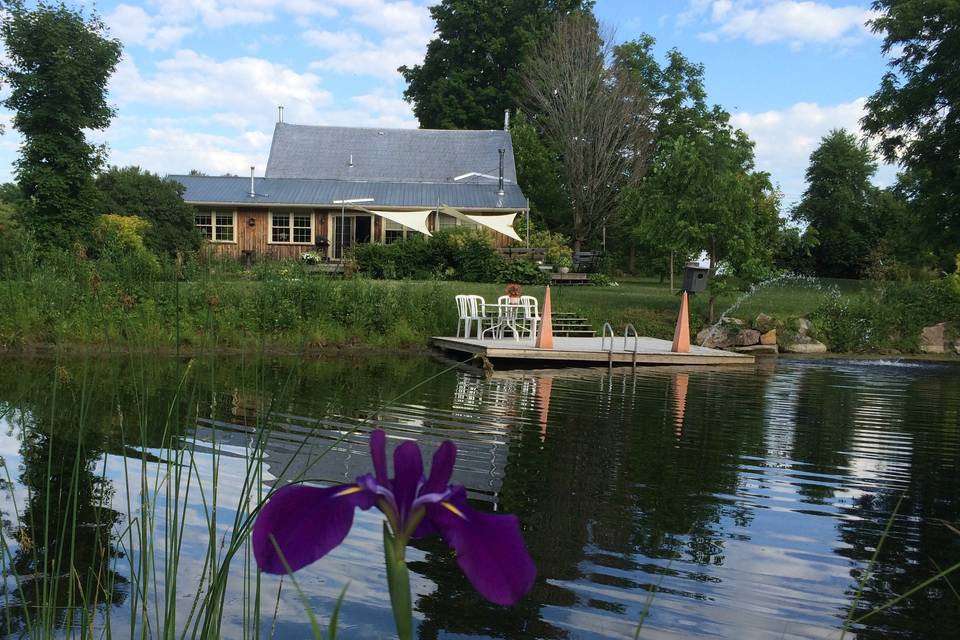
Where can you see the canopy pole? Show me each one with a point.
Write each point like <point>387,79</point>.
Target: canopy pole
<point>528,222</point>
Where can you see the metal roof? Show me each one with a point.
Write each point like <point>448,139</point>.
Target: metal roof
<point>390,155</point>
<point>298,191</point>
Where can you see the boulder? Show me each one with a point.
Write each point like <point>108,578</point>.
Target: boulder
<point>747,338</point>
<point>933,338</point>
<point>803,326</point>
<point>721,335</point>
<point>764,323</point>
<point>813,346</point>
<point>758,349</point>
<point>956,346</point>
<point>768,338</point>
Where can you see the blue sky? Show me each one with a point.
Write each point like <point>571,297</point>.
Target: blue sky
<point>200,79</point>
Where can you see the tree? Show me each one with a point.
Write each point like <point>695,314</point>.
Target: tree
<point>131,191</point>
<point>838,204</point>
<point>594,114</point>
<point>916,110</point>
<point>540,171</point>
<point>59,64</point>
<point>470,73</point>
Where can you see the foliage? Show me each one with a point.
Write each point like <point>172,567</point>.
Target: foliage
<point>916,111</point>
<point>594,113</point>
<point>556,245</point>
<point>470,73</point>
<point>889,317</point>
<point>58,66</point>
<point>468,252</point>
<point>841,206</point>
<point>17,247</point>
<point>121,246</point>
<point>602,280</point>
<point>540,171</point>
<point>132,191</point>
<point>522,272</point>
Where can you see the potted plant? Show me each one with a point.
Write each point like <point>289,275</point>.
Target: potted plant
<point>513,292</point>
<point>563,263</point>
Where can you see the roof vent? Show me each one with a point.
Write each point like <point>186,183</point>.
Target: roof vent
<point>379,133</point>
<point>350,163</point>
<point>280,114</point>
<point>253,191</point>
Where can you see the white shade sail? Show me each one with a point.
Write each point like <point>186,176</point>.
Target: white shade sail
<point>501,222</point>
<point>415,220</point>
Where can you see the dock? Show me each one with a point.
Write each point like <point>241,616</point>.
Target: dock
<point>589,351</point>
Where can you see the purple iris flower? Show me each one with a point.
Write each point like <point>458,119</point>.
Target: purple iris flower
<point>306,523</point>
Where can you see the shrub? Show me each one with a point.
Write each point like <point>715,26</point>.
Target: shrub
<point>121,249</point>
<point>522,272</point>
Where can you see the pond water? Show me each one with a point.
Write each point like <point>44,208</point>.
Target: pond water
<point>734,503</point>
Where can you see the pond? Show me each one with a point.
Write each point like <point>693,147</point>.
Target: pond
<point>732,503</point>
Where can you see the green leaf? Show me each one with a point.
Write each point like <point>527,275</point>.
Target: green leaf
<point>398,579</point>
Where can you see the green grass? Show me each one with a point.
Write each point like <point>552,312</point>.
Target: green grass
<point>280,307</point>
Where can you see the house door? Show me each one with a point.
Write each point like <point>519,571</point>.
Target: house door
<point>351,230</point>
<point>364,229</point>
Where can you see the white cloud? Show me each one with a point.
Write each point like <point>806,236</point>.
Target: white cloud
<point>351,53</point>
<point>175,150</point>
<point>244,86</point>
<point>764,21</point>
<point>786,138</point>
<point>134,26</point>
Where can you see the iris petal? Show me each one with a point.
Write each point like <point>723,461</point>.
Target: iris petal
<point>441,468</point>
<point>306,523</point>
<point>378,451</point>
<point>408,473</point>
<point>490,549</point>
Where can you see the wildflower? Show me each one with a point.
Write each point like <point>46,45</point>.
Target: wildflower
<point>301,524</point>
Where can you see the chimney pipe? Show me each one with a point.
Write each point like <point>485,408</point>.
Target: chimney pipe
<point>506,120</point>
<point>351,160</point>
<point>253,191</point>
<point>500,191</point>
<point>280,114</point>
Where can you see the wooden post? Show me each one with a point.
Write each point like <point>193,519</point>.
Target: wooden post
<point>681,334</point>
<point>545,337</point>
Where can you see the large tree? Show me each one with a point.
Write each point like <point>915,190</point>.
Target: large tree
<point>594,114</point>
<point>916,110</point>
<point>839,204</point>
<point>131,191</point>
<point>470,74</point>
<point>58,65</point>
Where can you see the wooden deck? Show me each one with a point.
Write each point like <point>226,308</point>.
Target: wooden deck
<point>590,351</point>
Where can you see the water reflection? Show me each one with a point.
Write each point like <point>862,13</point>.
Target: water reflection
<point>747,502</point>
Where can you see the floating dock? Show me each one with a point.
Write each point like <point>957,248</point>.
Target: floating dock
<point>590,351</point>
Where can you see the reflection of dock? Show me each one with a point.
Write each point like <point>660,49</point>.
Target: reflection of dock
<point>590,351</point>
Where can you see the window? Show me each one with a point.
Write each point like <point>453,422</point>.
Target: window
<point>216,226</point>
<point>291,228</point>
<point>392,231</point>
<point>447,221</point>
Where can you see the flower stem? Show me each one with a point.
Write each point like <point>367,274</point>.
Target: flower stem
<point>398,579</point>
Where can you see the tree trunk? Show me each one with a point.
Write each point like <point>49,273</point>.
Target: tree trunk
<point>711,271</point>
<point>671,271</point>
<point>632,262</point>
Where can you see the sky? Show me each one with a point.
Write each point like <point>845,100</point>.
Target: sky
<point>200,80</point>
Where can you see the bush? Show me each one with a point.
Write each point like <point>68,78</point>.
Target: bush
<point>121,249</point>
<point>522,272</point>
<point>459,253</point>
<point>889,317</point>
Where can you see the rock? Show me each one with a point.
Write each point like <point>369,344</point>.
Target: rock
<point>721,335</point>
<point>769,338</point>
<point>933,338</point>
<point>956,347</point>
<point>813,346</point>
<point>803,326</point>
<point>758,349</point>
<point>764,323</point>
<point>702,335</point>
<point>747,338</point>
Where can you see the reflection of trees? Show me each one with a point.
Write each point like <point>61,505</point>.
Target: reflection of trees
<point>611,479</point>
<point>918,542</point>
<point>64,547</point>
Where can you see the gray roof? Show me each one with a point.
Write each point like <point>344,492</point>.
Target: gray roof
<point>293,191</point>
<point>390,155</point>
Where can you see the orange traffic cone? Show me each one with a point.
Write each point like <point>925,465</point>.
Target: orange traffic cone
<point>545,337</point>
<point>681,335</point>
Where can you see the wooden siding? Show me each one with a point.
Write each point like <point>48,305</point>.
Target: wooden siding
<point>252,234</point>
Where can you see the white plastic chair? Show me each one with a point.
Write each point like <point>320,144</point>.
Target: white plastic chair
<point>464,317</point>
<point>477,313</point>
<point>530,314</point>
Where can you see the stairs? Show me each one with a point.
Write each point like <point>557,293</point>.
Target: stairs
<point>568,325</point>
